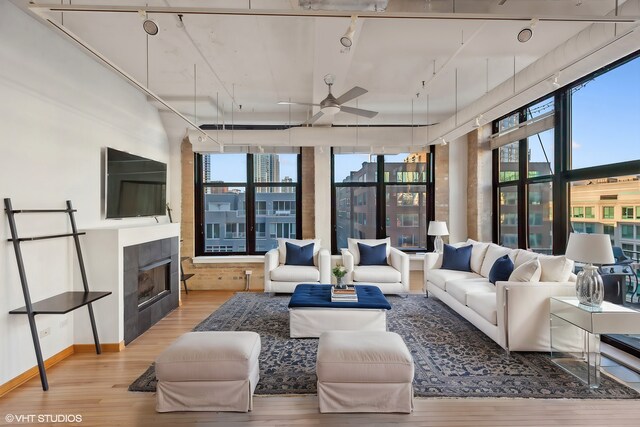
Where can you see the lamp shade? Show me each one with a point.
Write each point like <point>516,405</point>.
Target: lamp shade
<point>437,228</point>
<point>590,248</point>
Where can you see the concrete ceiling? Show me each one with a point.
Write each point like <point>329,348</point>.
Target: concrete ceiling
<point>204,62</point>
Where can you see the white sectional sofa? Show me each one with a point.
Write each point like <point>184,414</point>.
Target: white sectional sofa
<point>514,314</point>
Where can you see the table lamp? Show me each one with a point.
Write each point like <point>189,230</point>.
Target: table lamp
<point>590,249</point>
<point>438,229</point>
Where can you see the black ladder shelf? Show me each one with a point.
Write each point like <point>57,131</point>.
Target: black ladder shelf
<point>58,304</point>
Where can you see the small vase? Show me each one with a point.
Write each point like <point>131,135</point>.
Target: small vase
<point>340,283</point>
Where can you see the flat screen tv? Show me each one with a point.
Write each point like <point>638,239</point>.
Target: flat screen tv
<point>135,186</point>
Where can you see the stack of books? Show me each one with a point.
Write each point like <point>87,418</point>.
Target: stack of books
<point>344,295</point>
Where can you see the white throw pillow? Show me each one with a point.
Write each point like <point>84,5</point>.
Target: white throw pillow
<point>352,245</point>
<point>524,256</point>
<point>478,252</point>
<point>282,247</point>
<point>555,268</point>
<point>493,253</point>
<point>530,271</point>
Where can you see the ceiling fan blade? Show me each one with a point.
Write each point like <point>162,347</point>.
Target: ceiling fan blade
<point>359,112</point>
<point>297,103</point>
<point>353,93</point>
<point>313,118</point>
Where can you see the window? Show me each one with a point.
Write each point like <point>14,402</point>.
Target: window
<point>627,212</point>
<point>577,212</point>
<point>509,161</point>
<point>626,231</point>
<point>608,212</point>
<point>540,217</point>
<point>377,196</point>
<point>242,212</point>
<point>508,205</point>
<point>637,212</point>
<point>589,212</point>
<point>606,107</point>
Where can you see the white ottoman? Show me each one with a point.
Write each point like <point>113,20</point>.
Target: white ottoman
<point>364,371</point>
<point>208,371</point>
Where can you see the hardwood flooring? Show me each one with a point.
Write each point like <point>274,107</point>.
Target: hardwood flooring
<point>95,387</point>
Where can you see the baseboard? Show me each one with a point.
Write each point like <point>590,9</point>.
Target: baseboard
<point>58,357</point>
<point>106,348</point>
<point>33,372</point>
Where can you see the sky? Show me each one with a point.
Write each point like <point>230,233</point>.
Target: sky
<point>605,129</point>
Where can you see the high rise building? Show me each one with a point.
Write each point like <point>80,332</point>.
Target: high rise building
<point>206,169</point>
<point>266,169</point>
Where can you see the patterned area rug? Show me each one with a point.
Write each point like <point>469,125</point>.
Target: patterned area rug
<point>452,358</point>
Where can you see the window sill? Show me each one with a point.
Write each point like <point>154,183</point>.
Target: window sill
<point>251,259</point>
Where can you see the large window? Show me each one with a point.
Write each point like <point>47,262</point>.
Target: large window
<point>582,174</point>
<point>376,196</point>
<point>244,202</point>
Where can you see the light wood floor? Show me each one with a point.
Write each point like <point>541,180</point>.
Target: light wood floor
<point>96,388</point>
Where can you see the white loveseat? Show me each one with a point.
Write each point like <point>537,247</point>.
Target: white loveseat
<point>514,314</point>
<point>279,277</point>
<point>391,279</point>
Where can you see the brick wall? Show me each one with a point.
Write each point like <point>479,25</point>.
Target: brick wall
<point>479,183</point>
<point>442,185</point>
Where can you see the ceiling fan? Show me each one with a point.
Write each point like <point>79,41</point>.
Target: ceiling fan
<point>332,105</point>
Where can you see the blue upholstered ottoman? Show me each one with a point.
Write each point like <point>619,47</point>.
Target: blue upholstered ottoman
<point>311,311</point>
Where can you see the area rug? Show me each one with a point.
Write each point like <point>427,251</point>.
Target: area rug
<point>452,358</point>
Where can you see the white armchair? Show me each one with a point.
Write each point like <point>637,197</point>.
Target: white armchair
<point>391,279</point>
<point>280,277</point>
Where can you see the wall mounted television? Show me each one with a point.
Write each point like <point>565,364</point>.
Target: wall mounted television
<point>135,186</point>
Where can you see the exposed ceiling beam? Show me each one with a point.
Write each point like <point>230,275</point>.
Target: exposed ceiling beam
<point>331,13</point>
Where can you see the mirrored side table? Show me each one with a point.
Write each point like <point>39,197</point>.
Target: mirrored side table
<point>575,334</point>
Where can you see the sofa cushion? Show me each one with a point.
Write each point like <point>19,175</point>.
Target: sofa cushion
<point>295,273</point>
<point>352,245</point>
<point>376,274</point>
<point>523,257</point>
<point>299,255</point>
<point>484,303</point>
<point>440,277</point>
<point>373,255</point>
<point>458,289</point>
<point>493,253</point>
<point>477,254</point>
<point>456,258</point>
<point>282,248</point>
<point>501,270</point>
<point>555,268</point>
<point>528,272</point>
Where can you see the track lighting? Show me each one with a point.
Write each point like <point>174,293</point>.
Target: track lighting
<point>553,80</point>
<point>200,138</point>
<point>150,27</point>
<point>476,123</point>
<point>526,33</point>
<point>347,39</point>
<point>442,141</point>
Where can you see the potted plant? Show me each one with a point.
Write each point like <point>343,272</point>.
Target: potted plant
<point>339,271</point>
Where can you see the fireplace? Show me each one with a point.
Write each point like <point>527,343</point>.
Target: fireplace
<point>153,282</point>
<point>151,287</point>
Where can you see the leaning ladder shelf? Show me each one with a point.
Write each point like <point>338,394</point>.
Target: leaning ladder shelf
<point>57,304</point>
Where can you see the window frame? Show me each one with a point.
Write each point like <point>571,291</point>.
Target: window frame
<point>250,207</point>
<point>380,186</point>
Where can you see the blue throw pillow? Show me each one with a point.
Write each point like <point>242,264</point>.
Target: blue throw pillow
<point>299,255</point>
<point>456,258</point>
<point>501,270</point>
<point>373,255</point>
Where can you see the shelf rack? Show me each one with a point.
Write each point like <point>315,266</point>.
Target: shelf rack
<point>57,304</point>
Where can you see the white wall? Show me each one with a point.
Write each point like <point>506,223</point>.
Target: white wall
<point>458,189</point>
<point>58,109</point>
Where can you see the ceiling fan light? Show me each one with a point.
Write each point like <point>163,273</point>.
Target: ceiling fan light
<point>150,27</point>
<point>331,111</point>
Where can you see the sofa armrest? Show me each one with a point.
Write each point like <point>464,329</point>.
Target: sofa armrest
<point>432,260</point>
<point>400,261</point>
<point>347,261</point>
<point>271,262</point>
<point>324,265</point>
<point>523,313</point>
